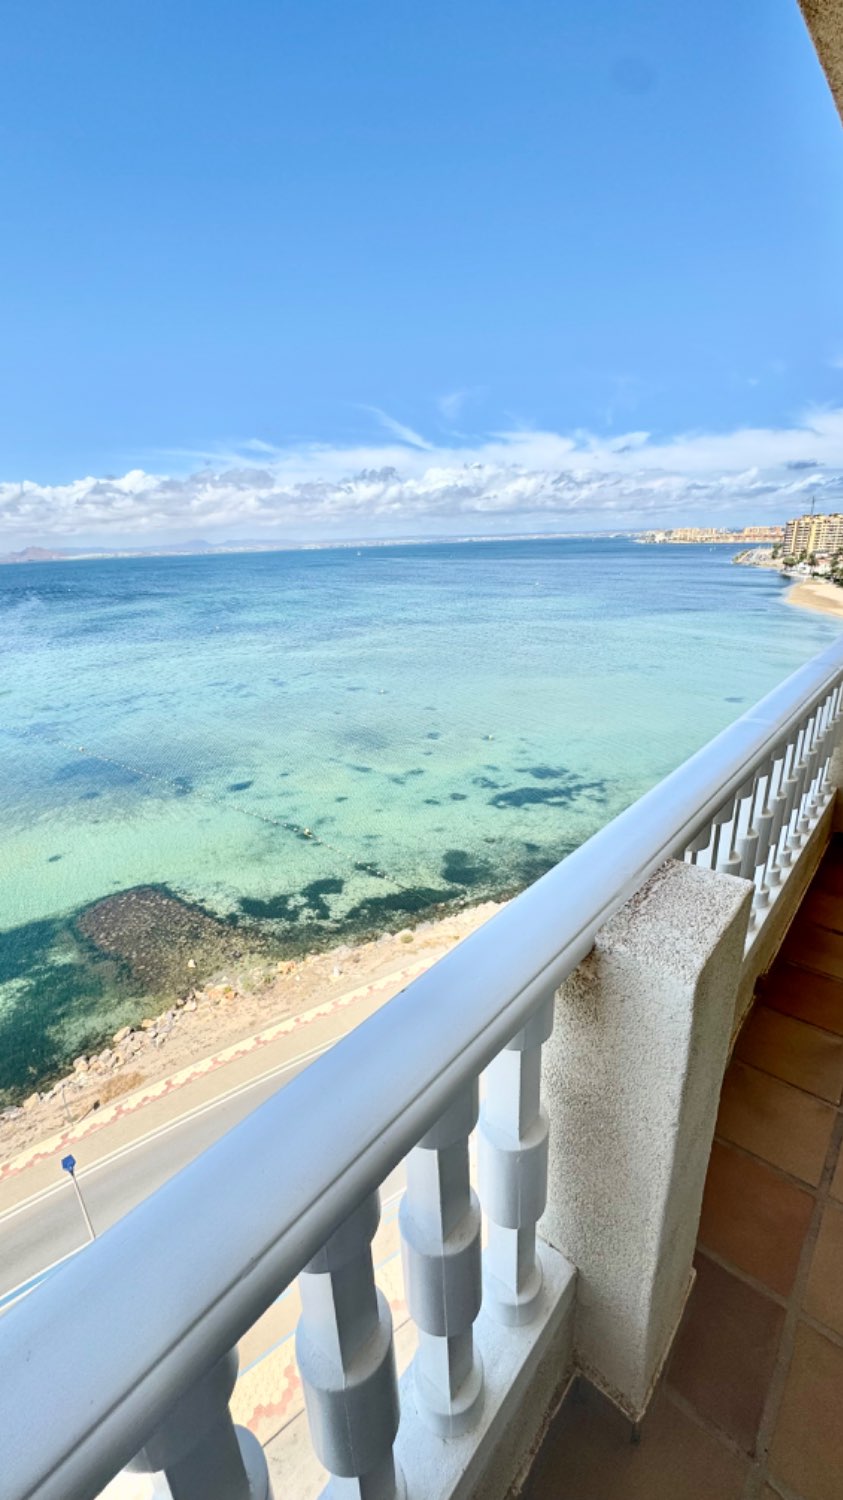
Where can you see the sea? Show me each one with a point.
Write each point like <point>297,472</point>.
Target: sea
<point>216,757</point>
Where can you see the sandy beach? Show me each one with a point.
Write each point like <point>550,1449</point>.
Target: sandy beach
<point>817,594</point>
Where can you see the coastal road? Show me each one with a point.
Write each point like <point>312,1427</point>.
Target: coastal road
<point>48,1227</point>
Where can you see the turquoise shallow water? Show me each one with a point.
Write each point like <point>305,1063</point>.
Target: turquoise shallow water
<point>274,751</point>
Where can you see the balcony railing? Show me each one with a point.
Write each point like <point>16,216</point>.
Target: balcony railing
<point>126,1356</point>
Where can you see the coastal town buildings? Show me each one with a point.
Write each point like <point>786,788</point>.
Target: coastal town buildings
<point>813,534</point>
<point>770,534</point>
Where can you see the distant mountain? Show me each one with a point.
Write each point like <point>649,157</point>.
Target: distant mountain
<point>201,548</point>
<point>34,554</point>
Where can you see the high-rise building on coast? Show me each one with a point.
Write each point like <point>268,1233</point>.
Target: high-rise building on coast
<point>813,534</point>
<point>697,534</point>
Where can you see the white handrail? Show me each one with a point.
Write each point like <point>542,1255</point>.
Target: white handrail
<point>92,1362</point>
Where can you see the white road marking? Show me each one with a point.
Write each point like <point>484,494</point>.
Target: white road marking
<point>160,1130</point>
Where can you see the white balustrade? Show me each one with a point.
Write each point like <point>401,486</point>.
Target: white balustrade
<point>200,1451</point>
<point>758,831</point>
<point>512,1160</point>
<point>347,1363</point>
<point>440,1248</point>
<point>744,805</point>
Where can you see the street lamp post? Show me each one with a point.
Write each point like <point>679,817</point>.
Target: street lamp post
<point>69,1165</point>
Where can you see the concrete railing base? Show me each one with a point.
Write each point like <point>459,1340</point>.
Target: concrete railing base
<point>526,1370</point>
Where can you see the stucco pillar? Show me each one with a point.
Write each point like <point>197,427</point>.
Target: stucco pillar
<point>631,1083</point>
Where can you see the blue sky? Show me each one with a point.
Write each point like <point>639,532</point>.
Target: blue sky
<point>252,248</point>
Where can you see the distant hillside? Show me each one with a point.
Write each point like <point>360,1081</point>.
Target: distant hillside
<point>200,548</point>
<point>33,554</point>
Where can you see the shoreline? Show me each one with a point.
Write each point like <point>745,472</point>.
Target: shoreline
<point>225,1010</point>
<point>228,1006</point>
<point>816,594</point>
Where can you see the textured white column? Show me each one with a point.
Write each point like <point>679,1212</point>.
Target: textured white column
<point>440,1249</point>
<point>199,1449</point>
<point>631,1084</point>
<point>512,1160</point>
<point>347,1363</point>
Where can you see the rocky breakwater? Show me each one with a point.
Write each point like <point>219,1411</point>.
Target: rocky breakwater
<point>759,557</point>
<point>215,1011</point>
<point>101,1077</point>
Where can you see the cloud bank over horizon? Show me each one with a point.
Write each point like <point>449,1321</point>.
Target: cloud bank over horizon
<point>407,485</point>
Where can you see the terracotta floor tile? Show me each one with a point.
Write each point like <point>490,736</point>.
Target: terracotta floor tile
<point>753,1218</point>
<point>814,947</point>
<point>587,1455</point>
<point>807,1447</point>
<point>836,1188</point>
<point>809,997</point>
<point>829,878</point>
<point>790,1049</point>
<point>779,1123</point>
<point>825,905</point>
<point>824,1297</point>
<point>725,1352</point>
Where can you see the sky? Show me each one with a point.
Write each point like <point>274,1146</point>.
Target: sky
<point>330,269</point>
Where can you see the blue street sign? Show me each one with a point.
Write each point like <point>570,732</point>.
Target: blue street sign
<point>68,1162</point>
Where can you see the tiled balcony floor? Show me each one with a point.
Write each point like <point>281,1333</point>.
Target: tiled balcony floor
<point>752,1404</point>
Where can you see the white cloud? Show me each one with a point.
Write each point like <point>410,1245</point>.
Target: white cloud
<point>452,404</point>
<point>404,434</point>
<point>510,480</point>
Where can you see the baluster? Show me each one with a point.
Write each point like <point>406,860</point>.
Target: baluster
<point>778,832</point>
<point>824,738</point>
<point>699,844</point>
<point>728,860</point>
<point>833,735</point>
<point>824,749</point>
<point>790,789</point>
<point>713,848</point>
<point>801,822</point>
<point>768,823</point>
<point>199,1449</point>
<point>827,744</point>
<point>512,1160</point>
<point>347,1363</point>
<point>805,821</point>
<point>748,840</point>
<point>440,1248</point>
